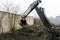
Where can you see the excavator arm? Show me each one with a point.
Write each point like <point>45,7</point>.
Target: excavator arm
<point>30,8</point>
<point>40,12</point>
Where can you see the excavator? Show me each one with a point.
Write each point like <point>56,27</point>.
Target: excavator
<point>40,11</point>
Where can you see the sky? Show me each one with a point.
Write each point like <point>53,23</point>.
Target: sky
<point>52,7</point>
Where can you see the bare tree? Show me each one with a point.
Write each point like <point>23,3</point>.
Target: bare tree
<point>10,8</point>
